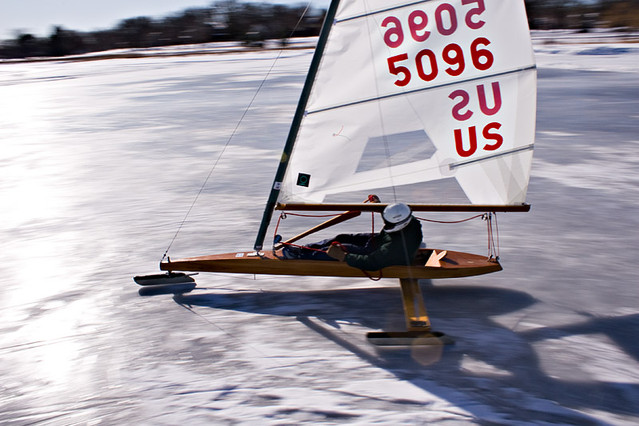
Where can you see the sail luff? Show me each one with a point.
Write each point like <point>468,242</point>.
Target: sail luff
<point>295,125</point>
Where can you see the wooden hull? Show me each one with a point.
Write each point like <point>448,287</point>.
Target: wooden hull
<point>455,264</point>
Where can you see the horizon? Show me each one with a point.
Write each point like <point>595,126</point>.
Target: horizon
<point>82,16</point>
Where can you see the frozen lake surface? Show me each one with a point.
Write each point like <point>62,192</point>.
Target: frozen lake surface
<point>101,160</point>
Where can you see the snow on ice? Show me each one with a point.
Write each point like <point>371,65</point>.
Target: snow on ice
<point>101,160</point>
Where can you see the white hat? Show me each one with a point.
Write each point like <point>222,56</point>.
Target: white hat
<point>396,217</point>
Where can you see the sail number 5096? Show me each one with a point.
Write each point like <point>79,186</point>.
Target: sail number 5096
<point>453,55</point>
<point>445,20</point>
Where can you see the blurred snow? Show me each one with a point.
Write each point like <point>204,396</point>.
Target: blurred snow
<point>101,160</point>
<point>594,51</point>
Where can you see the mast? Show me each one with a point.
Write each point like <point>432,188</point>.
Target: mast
<point>295,125</point>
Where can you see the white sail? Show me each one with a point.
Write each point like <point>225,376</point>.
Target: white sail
<point>408,93</point>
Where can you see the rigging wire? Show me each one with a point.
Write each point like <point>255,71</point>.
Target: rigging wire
<point>237,126</point>
<point>493,236</point>
<point>492,230</point>
<point>284,215</point>
<point>450,221</point>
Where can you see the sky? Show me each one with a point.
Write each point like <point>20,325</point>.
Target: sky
<point>39,17</point>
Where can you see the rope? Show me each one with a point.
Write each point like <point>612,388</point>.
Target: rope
<point>493,232</point>
<point>283,216</point>
<point>310,215</point>
<point>302,247</point>
<point>237,126</point>
<point>493,242</point>
<point>279,219</point>
<point>370,277</point>
<point>497,236</point>
<point>450,221</point>
<point>372,222</point>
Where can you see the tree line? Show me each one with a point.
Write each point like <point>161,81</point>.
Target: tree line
<point>226,20</point>
<point>252,23</point>
<point>583,14</point>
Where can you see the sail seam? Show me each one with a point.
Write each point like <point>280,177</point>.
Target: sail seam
<point>491,157</point>
<point>410,92</point>
<point>364,15</point>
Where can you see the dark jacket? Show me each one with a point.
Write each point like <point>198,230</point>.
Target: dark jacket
<point>391,248</point>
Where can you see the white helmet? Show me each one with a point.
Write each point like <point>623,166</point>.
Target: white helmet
<point>396,217</point>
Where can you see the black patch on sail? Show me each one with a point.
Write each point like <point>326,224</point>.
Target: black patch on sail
<point>399,148</point>
<point>303,179</point>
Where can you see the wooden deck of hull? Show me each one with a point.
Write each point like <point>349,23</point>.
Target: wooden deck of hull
<point>455,264</point>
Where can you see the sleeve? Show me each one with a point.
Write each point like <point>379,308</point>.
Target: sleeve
<point>392,249</point>
<point>373,261</point>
